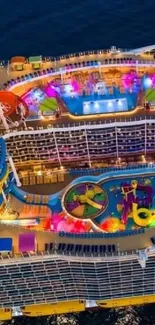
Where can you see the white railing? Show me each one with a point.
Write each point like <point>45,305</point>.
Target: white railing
<point>80,126</point>
<point>44,256</point>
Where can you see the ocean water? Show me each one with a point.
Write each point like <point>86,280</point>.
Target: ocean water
<point>55,27</point>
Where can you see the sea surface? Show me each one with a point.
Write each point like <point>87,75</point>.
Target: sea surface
<point>56,27</point>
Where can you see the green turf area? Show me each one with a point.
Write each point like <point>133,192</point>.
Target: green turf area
<point>89,211</point>
<point>49,104</point>
<point>73,195</point>
<point>70,195</point>
<point>150,95</point>
<point>100,197</point>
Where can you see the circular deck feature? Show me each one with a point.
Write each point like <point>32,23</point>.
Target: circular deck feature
<point>143,217</point>
<point>85,200</point>
<point>13,109</point>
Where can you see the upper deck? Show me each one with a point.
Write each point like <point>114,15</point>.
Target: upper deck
<point>105,63</point>
<point>74,226</point>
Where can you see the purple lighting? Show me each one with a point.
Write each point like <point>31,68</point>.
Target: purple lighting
<point>153,80</point>
<point>50,91</point>
<point>75,85</point>
<point>129,79</point>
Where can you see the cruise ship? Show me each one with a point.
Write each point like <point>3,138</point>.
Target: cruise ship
<point>77,182</point>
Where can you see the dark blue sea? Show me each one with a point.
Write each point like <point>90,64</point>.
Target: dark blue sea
<point>56,27</point>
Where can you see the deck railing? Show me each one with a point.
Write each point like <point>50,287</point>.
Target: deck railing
<point>91,171</point>
<point>10,258</point>
<point>77,67</point>
<point>98,235</point>
<point>74,54</point>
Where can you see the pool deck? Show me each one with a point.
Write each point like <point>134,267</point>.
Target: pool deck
<point>66,118</point>
<point>126,243</point>
<point>69,120</point>
<point>6,73</point>
<point>48,189</point>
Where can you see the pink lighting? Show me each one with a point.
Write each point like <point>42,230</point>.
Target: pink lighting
<point>153,80</point>
<point>61,222</point>
<point>129,79</point>
<point>50,91</point>
<point>75,85</point>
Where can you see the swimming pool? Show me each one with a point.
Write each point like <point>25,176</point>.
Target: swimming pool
<point>101,104</point>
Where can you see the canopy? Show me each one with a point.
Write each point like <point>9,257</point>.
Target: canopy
<point>5,244</point>
<point>35,59</point>
<point>18,60</point>
<point>26,242</point>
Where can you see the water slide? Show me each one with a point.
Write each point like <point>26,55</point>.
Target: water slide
<point>3,153</point>
<point>94,204</point>
<point>148,190</point>
<point>125,212</point>
<point>127,204</point>
<point>4,170</point>
<point>11,102</point>
<point>142,222</point>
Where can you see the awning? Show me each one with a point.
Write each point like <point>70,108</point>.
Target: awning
<point>35,59</point>
<point>18,60</point>
<point>26,242</point>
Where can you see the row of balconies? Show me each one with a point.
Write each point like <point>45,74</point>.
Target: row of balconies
<point>74,283</point>
<point>72,155</point>
<point>61,270</point>
<point>78,147</point>
<point>91,145</point>
<point>98,148</point>
<point>46,297</point>
<point>93,136</point>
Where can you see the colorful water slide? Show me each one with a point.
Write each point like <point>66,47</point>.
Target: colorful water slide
<point>125,212</point>
<point>94,204</point>
<point>130,199</point>
<point>11,103</point>
<point>24,106</point>
<point>127,204</point>
<point>4,174</point>
<point>142,222</point>
<point>4,170</point>
<point>148,190</point>
<point>2,153</point>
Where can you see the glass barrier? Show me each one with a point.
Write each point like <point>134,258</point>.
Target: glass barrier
<point>102,235</point>
<point>109,169</point>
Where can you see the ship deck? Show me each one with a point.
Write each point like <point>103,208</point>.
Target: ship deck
<point>128,245</point>
<point>139,241</point>
<point>67,232</point>
<point>67,118</point>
